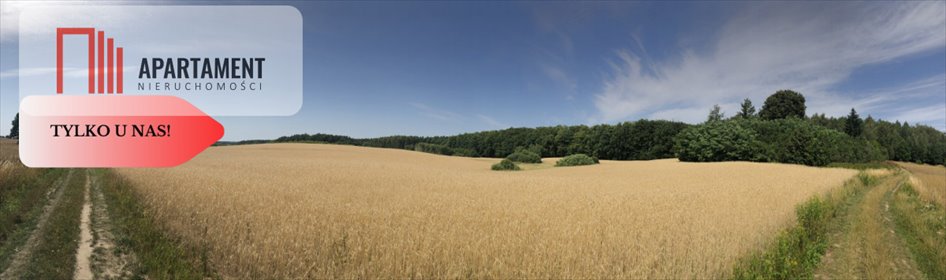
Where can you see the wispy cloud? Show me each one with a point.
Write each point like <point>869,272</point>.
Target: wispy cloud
<point>559,75</point>
<point>887,101</point>
<point>434,113</point>
<point>449,116</point>
<point>491,121</point>
<point>926,114</point>
<point>809,47</point>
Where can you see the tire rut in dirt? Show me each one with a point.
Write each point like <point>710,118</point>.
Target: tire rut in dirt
<point>867,245</point>
<point>108,261</point>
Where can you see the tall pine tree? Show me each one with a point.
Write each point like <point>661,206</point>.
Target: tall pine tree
<point>853,125</point>
<point>747,110</point>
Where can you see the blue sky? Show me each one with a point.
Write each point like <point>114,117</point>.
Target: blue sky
<point>442,68</point>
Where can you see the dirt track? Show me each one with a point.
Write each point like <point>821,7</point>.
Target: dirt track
<point>867,247</point>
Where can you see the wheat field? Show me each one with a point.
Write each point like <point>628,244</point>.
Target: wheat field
<point>928,180</point>
<point>331,211</point>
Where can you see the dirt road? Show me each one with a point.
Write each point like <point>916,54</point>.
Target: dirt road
<point>867,245</point>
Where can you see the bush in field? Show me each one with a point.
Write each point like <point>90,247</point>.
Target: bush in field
<point>719,141</point>
<point>505,165</point>
<point>576,160</point>
<point>525,156</point>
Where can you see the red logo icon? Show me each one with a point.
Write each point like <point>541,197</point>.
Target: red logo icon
<point>114,84</point>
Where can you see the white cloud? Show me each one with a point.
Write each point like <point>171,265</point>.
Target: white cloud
<point>931,115</point>
<point>885,101</point>
<point>808,47</point>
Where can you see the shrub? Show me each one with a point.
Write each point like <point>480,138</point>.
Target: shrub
<point>719,141</point>
<point>525,156</point>
<point>576,160</point>
<point>505,165</point>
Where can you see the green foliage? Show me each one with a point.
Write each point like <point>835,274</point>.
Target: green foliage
<point>715,114</point>
<point>159,255</point>
<point>433,149</point>
<point>896,141</point>
<point>866,180</point>
<point>505,165</point>
<point>782,134</point>
<point>22,196</point>
<point>783,104</point>
<point>718,141</point>
<point>853,124</point>
<point>805,144</point>
<point>463,152</point>
<point>524,156</point>
<point>747,110</point>
<point>797,251</point>
<point>789,140</point>
<point>920,224</point>
<point>54,256</point>
<point>798,141</point>
<point>318,138</point>
<point>576,160</point>
<point>642,139</point>
<point>15,130</point>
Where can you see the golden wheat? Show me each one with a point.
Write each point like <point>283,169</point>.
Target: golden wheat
<point>324,211</point>
<point>928,180</point>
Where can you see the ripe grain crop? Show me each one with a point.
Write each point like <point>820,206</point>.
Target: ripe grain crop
<point>329,211</point>
<point>928,180</point>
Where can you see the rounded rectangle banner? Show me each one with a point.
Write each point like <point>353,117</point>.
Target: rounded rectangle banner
<point>226,60</point>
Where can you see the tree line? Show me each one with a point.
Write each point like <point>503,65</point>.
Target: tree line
<point>638,140</point>
<point>779,132</point>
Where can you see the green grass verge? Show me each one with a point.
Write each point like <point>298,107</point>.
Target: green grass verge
<point>797,251</point>
<point>159,255</point>
<point>22,197</point>
<point>54,256</point>
<point>922,226</point>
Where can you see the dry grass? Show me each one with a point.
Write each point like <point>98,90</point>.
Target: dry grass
<point>9,155</point>
<point>323,211</point>
<point>879,172</point>
<point>868,246</point>
<point>928,180</point>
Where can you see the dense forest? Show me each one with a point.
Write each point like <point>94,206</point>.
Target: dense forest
<point>642,139</point>
<point>779,132</point>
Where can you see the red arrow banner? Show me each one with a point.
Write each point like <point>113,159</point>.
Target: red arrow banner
<point>112,131</point>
